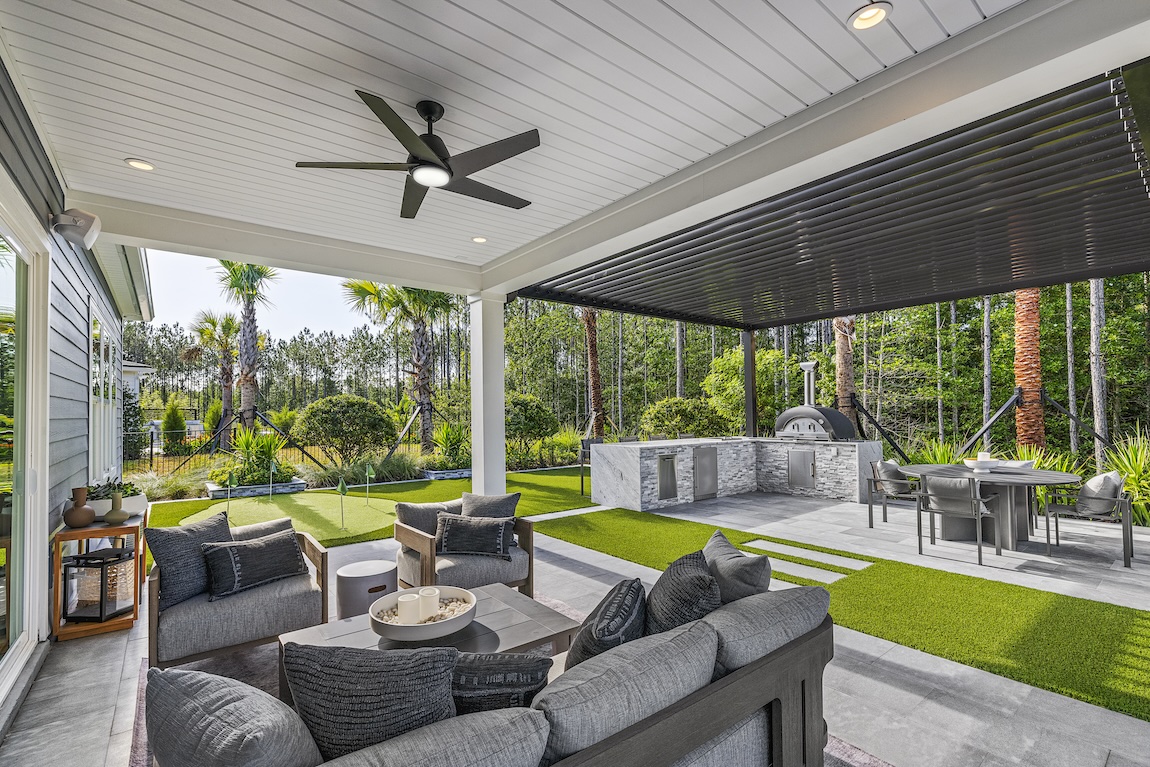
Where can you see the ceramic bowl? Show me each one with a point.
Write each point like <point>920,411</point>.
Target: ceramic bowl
<point>981,467</point>
<point>421,632</point>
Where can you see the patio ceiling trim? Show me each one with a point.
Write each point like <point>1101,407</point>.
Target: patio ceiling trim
<point>1050,191</point>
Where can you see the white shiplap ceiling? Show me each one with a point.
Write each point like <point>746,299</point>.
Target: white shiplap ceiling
<point>223,97</point>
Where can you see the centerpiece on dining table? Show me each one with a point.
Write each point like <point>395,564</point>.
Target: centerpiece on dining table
<point>983,464</point>
<point>422,613</point>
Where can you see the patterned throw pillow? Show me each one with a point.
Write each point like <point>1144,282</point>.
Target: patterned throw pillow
<point>497,506</point>
<point>738,575</point>
<point>236,566</point>
<point>178,554</point>
<point>488,681</point>
<point>351,698</point>
<point>685,592</point>
<point>620,617</point>
<point>474,535</point>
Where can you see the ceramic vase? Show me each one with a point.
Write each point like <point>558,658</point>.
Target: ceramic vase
<point>117,516</point>
<point>81,514</point>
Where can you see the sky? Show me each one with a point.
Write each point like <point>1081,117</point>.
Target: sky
<point>182,286</point>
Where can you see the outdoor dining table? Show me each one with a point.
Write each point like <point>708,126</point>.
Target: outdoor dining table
<point>1011,484</point>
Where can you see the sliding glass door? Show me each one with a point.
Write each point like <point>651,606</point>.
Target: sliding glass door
<point>13,290</point>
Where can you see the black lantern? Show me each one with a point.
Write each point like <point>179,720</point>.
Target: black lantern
<point>104,583</point>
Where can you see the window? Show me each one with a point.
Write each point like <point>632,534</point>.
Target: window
<point>103,426</point>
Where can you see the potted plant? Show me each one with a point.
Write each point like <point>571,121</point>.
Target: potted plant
<point>115,494</point>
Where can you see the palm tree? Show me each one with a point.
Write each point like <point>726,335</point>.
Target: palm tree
<point>1029,420</point>
<point>590,319</point>
<point>245,284</point>
<point>393,306</point>
<point>217,334</point>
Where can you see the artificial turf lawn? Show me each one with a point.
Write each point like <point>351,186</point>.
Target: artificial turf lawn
<point>1092,651</point>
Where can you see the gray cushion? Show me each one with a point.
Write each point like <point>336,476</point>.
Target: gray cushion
<point>424,516</point>
<point>467,571</point>
<point>511,737</point>
<point>351,698</point>
<point>760,624</point>
<point>747,742</point>
<point>950,494</point>
<point>738,575</point>
<point>487,681</point>
<point>235,566</point>
<point>1099,495</point>
<point>620,617</point>
<point>198,625</point>
<point>613,691</point>
<point>260,529</point>
<point>202,720</point>
<point>455,534</point>
<point>894,481</point>
<point>685,592</point>
<point>183,571</point>
<point>499,506</point>
<point>1017,464</point>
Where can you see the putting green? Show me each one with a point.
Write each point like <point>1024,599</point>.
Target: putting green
<point>316,513</point>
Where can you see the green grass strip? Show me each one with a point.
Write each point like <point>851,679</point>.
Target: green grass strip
<point>1093,651</point>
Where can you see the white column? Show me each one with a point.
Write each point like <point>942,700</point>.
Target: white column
<point>488,446</point>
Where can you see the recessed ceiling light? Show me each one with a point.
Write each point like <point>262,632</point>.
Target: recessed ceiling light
<point>870,15</point>
<point>139,164</point>
<point>480,240</point>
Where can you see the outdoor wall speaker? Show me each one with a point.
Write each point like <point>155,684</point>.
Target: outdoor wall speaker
<point>77,227</point>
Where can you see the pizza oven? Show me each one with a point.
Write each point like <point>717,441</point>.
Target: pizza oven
<point>810,421</point>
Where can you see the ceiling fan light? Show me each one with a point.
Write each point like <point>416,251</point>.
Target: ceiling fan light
<point>870,15</point>
<point>430,175</point>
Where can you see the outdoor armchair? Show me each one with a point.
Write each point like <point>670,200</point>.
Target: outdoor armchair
<point>1102,505</point>
<point>887,481</point>
<point>956,497</point>
<point>418,563</point>
<point>198,628</point>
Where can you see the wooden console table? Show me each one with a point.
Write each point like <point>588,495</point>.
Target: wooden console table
<point>133,527</point>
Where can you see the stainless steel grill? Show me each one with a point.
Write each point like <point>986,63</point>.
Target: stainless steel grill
<point>810,421</point>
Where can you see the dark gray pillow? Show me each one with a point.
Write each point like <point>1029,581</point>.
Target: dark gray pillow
<point>351,698</point>
<point>489,681</point>
<point>196,719</point>
<point>235,566</point>
<point>893,478</point>
<point>178,554</point>
<point>474,535</point>
<point>738,575</point>
<point>685,592</point>
<point>620,617</point>
<point>423,516</point>
<point>260,529</point>
<point>490,505</point>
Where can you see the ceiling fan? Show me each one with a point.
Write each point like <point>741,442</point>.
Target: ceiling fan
<point>429,164</point>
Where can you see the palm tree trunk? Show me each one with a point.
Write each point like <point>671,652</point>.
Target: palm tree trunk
<point>680,362</point>
<point>249,363</point>
<point>590,319</point>
<point>421,370</point>
<point>1029,421</point>
<point>844,328</point>
<point>1071,384</point>
<point>1098,367</point>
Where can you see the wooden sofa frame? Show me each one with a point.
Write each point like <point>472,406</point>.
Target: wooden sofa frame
<point>424,545</point>
<point>311,548</point>
<point>788,683</point>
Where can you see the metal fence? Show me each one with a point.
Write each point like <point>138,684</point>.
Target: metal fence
<point>179,452</point>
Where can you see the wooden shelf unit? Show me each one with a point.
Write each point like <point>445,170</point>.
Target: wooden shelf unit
<point>133,527</point>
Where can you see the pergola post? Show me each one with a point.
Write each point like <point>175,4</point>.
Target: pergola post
<point>750,390</point>
<point>488,446</point>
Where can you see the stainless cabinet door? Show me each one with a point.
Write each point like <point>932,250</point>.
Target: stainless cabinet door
<point>706,472</point>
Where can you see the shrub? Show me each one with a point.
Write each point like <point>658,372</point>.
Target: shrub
<point>173,425</point>
<point>1131,459</point>
<point>284,419</point>
<point>933,451</point>
<point>452,447</point>
<point>528,419</point>
<point>345,427</point>
<point>398,468</point>
<point>185,446</point>
<point>676,415</point>
<point>135,438</point>
<point>160,487</point>
<point>213,416</point>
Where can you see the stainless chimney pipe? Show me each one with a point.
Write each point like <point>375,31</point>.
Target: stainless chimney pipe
<point>809,369</point>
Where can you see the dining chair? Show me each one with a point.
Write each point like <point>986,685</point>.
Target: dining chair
<point>957,497</point>
<point>1102,499</point>
<point>887,481</point>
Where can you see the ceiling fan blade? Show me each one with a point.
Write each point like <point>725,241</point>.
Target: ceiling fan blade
<point>404,166</point>
<point>481,191</point>
<point>400,129</point>
<point>413,195</point>
<point>466,163</point>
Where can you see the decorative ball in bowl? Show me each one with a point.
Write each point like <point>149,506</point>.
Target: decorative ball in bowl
<point>981,467</point>
<point>456,611</point>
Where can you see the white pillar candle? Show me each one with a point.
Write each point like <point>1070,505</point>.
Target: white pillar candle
<point>984,456</point>
<point>428,602</point>
<point>408,607</point>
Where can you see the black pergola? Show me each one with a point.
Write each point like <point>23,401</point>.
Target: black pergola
<point>1052,191</point>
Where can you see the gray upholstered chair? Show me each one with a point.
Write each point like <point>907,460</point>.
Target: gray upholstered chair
<point>418,563</point>
<point>957,497</point>
<point>886,482</point>
<point>1101,498</point>
<point>198,628</point>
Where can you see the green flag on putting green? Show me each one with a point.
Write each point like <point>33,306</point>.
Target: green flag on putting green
<point>342,488</point>
<point>232,481</point>
<point>370,472</point>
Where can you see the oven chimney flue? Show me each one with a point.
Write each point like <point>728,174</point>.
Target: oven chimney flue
<point>809,370</point>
